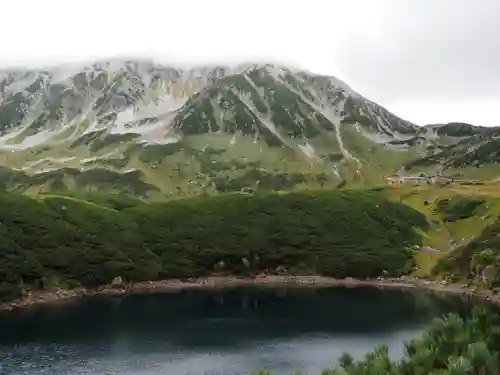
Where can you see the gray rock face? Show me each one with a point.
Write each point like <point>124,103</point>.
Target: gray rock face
<point>117,282</point>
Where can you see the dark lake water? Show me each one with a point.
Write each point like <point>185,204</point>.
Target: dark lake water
<point>216,332</point>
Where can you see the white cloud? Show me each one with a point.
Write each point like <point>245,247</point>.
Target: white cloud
<point>307,32</point>
<point>314,34</point>
<point>474,111</point>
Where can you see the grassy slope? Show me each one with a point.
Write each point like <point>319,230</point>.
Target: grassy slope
<point>200,163</point>
<point>203,161</point>
<point>447,235</point>
<point>376,159</point>
<point>191,167</point>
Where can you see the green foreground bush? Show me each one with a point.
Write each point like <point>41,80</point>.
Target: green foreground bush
<point>451,346</point>
<point>67,242</point>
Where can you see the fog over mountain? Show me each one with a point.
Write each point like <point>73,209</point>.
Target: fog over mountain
<point>426,61</point>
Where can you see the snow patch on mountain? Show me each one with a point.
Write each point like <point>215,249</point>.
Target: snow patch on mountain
<point>154,139</point>
<point>30,141</point>
<point>308,150</point>
<point>264,119</point>
<point>331,114</point>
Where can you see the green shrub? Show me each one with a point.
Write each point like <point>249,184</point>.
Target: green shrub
<point>78,242</point>
<point>458,208</point>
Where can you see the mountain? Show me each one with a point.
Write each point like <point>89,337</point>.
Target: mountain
<point>150,130</point>
<point>463,149</point>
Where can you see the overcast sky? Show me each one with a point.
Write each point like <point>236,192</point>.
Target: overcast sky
<point>429,61</point>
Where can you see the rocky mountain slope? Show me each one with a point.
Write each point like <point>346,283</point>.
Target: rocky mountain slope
<point>151,130</point>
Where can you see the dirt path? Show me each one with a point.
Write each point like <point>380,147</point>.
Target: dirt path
<point>217,282</point>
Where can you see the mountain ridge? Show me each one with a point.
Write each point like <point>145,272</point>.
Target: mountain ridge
<point>208,129</point>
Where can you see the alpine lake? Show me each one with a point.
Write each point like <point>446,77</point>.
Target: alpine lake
<point>225,331</point>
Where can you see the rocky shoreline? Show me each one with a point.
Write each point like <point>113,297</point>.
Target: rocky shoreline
<point>217,282</point>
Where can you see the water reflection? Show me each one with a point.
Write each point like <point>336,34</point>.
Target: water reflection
<point>227,331</point>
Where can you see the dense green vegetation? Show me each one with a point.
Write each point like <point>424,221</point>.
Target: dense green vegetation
<point>455,209</point>
<point>460,129</point>
<point>56,241</point>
